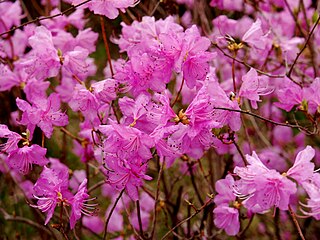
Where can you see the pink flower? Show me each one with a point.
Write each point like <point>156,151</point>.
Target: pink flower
<point>126,141</point>
<point>51,188</point>
<point>21,159</point>
<point>12,139</point>
<point>255,37</point>
<point>289,95</point>
<point>8,79</point>
<point>108,8</point>
<point>94,223</point>
<point>43,61</point>
<point>311,94</point>
<point>261,187</point>
<point>126,174</point>
<point>194,56</point>
<point>253,87</point>
<point>79,204</point>
<point>44,113</point>
<point>302,168</point>
<point>227,218</point>
<point>83,100</point>
<point>224,188</point>
<point>312,187</point>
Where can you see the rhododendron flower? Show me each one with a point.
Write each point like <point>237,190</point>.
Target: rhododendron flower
<point>302,168</point>
<point>126,174</point>
<point>312,96</point>
<point>21,159</point>
<point>79,204</point>
<point>226,217</point>
<point>83,100</point>
<point>312,187</point>
<point>263,188</point>
<point>108,8</point>
<point>289,95</point>
<point>12,139</point>
<point>44,61</point>
<point>44,113</point>
<point>126,141</point>
<point>254,86</point>
<point>51,189</point>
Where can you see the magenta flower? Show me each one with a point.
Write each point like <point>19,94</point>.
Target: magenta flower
<point>254,86</point>
<point>255,36</point>
<point>194,56</point>
<point>8,79</point>
<point>312,96</point>
<point>126,141</point>
<point>302,168</point>
<point>21,159</point>
<point>227,218</point>
<point>289,95</point>
<point>83,100</point>
<point>126,174</point>
<point>12,139</point>
<point>226,211</point>
<point>107,8</point>
<point>79,204</point>
<point>45,113</point>
<point>51,189</point>
<point>261,187</point>
<point>312,187</point>
<point>44,61</point>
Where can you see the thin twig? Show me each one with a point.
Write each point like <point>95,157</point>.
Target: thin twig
<point>110,214</point>
<point>8,217</point>
<point>156,199</point>
<point>304,47</point>
<point>46,17</point>
<point>296,223</point>
<point>139,217</point>
<point>186,219</point>
<point>265,119</point>
<point>178,94</point>
<point>106,45</point>
<point>248,65</point>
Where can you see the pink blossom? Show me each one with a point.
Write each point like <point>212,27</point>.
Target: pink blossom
<point>83,100</point>
<point>43,61</point>
<point>12,139</point>
<point>51,188</point>
<point>254,86</point>
<point>21,159</point>
<point>227,218</point>
<point>126,141</point>
<point>108,8</point>
<point>289,95</point>
<point>302,168</point>
<point>44,113</point>
<point>263,188</point>
<point>126,174</point>
<point>79,204</point>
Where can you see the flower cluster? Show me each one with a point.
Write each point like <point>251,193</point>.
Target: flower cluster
<point>191,104</point>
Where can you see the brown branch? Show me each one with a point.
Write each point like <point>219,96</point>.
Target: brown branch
<point>248,65</point>
<point>265,119</point>
<point>304,47</point>
<point>39,19</point>
<point>296,223</point>
<point>110,214</point>
<point>106,45</point>
<point>178,94</point>
<point>156,199</point>
<point>8,217</point>
<point>186,219</point>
